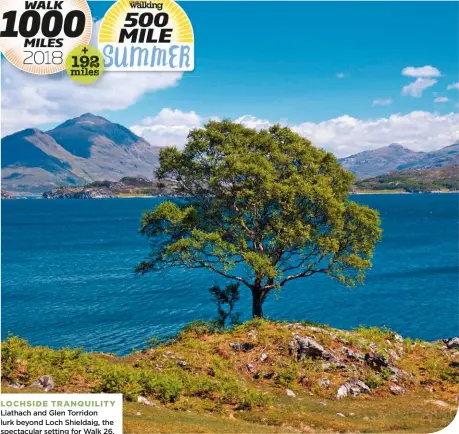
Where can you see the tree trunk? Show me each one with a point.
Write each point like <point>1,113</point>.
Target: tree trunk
<point>258,298</point>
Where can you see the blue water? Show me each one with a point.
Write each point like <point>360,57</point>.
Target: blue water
<point>68,280</point>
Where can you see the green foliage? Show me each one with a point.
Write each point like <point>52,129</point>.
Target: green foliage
<point>268,200</point>
<point>20,364</point>
<point>199,327</point>
<point>225,297</point>
<point>166,387</point>
<point>120,379</point>
<point>373,380</point>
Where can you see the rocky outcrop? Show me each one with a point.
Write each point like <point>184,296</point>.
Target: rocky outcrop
<point>78,193</point>
<point>301,348</point>
<point>352,387</point>
<point>452,343</point>
<point>46,382</point>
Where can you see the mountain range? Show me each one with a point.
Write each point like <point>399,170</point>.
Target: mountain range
<point>90,148</point>
<point>381,161</point>
<point>81,150</point>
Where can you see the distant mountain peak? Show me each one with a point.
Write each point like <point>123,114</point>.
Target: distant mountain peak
<point>84,119</point>
<point>26,133</point>
<point>398,146</point>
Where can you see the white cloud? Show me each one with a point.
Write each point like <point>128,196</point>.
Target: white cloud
<point>250,121</point>
<point>168,127</point>
<point>30,100</point>
<point>422,71</point>
<point>345,135</point>
<point>441,99</point>
<point>387,101</point>
<point>420,131</point>
<point>453,86</point>
<point>340,75</point>
<point>416,88</point>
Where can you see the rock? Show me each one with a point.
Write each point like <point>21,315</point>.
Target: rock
<point>439,403</point>
<point>235,346</point>
<point>452,343</point>
<point>250,368</point>
<point>263,357</point>
<point>393,355</point>
<point>340,414</point>
<point>46,382</point>
<point>398,338</point>
<point>145,401</point>
<point>325,383</point>
<point>376,361</point>
<point>247,346</point>
<point>182,363</point>
<point>398,373</point>
<point>352,387</point>
<point>290,393</point>
<point>397,390</point>
<point>301,348</point>
<point>15,385</point>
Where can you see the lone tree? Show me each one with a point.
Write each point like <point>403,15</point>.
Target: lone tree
<point>260,208</point>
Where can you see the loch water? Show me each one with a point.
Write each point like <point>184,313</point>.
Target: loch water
<point>68,276</point>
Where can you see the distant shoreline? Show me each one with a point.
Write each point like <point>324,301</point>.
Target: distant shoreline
<point>357,193</point>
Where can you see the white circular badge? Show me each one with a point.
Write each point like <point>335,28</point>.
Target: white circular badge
<point>37,36</point>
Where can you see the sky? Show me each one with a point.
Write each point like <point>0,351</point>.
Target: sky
<point>350,76</point>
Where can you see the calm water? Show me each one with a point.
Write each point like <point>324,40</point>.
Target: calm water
<point>67,276</point>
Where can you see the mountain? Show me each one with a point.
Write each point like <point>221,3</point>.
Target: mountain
<point>441,158</point>
<point>381,161</point>
<point>444,178</point>
<point>81,150</point>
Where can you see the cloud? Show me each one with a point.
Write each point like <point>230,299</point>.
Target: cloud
<point>416,88</point>
<point>344,135</point>
<point>250,121</point>
<point>30,100</point>
<point>453,86</point>
<point>441,99</point>
<point>387,101</point>
<point>420,131</point>
<point>422,71</point>
<point>169,127</point>
<point>340,75</point>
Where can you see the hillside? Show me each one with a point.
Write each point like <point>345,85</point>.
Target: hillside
<point>79,151</point>
<point>414,181</point>
<point>261,377</point>
<point>381,161</point>
<point>128,186</point>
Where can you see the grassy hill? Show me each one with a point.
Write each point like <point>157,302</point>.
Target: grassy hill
<point>262,377</point>
<point>413,181</point>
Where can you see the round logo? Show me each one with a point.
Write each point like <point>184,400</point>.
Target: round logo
<point>37,36</point>
<point>85,64</point>
<point>147,36</point>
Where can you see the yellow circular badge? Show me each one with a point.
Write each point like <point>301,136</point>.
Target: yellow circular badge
<point>37,36</point>
<point>85,64</point>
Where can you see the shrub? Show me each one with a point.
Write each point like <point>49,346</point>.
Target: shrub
<point>120,379</point>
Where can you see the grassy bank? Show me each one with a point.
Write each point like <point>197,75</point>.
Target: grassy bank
<point>256,378</point>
